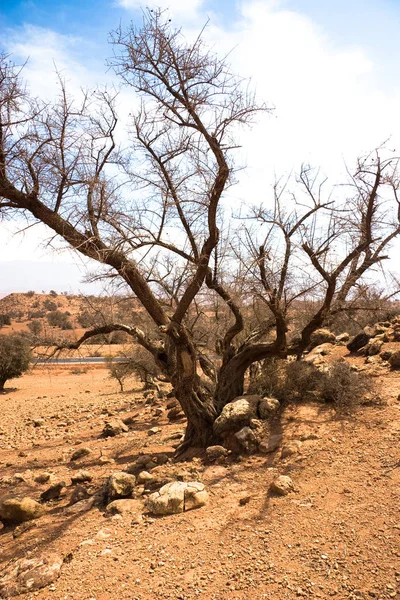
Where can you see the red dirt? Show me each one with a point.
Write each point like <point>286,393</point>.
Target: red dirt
<point>336,536</point>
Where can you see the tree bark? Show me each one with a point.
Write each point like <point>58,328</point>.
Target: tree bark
<point>2,383</point>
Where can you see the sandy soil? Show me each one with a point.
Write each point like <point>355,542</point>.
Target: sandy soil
<point>336,536</point>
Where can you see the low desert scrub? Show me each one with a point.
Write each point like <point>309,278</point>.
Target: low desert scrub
<point>299,381</point>
<point>138,363</point>
<point>79,370</point>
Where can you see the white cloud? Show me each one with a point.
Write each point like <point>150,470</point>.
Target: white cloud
<point>330,102</point>
<point>45,52</point>
<point>181,9</point>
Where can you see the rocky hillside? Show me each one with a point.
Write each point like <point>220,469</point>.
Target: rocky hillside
<point>43,313</point>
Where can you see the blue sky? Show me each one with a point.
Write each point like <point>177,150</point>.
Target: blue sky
<point>331,69</point>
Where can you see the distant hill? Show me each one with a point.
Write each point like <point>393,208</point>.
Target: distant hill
<point>46,313</point>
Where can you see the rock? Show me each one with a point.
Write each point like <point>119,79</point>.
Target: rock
<point>124,506</point>
<point>18,510</point>
<point>162,459</point>
<point>120,485</point>
<point>177,497</point>
<point>20,529</point>
<point>394,360</point>
<point>53,492</point>
<point>358,342</point>
<point>79,493</point>
<point>373,347</point>
<point>342,338</point>
<point>145,477</point>
<point>236,414</point>
<point>321,336</point>
<point>153,431</point>
<point>38,422</point>
<point>128,421</point>
<point>386,355</point>
<point>106,460</point>
<point>80,506</point>
<point>290,449</point>
<point>172,402</point>
<point>274,441</point>
<point>244,500</point>
<point>247,440</point>
<point>29,574</point>
<point>175,413</point>
<point>114,427</point>
<point>80,453</point>
<point>216,453</point>
<point>42,477</point>
<point>267,407</point>
<point>81,477</point>
<point>282,485</point>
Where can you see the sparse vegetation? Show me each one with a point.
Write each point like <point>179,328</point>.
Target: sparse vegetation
<point>57,318</point>
<point>308,244</point>
<point>300,381</point>
<point>15,356</point>
<point>5,320</point>
<point>35,327</point>
<point>137,362</point>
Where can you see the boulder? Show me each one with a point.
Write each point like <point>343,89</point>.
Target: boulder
<point>81,477</point>
<point>53,492</point>
<point>394,360</point>
<point>386,355</point>
<point>267,407</point>
<point>26,575</point>
<point>154,431</point>
<point>273,443</point>
<point>342,338</point>
<point>42,477</point>
<point>246,441</point>
<point>175,413</point>
<point>120,485</point>
<point>236,415</point>
<point>290,448</point>
<point>322,336</point>
<point>358,342</point>
<point>124,506</point>
<point>282,485</point>
<point>145,477</point>
<point>373,347</point>
<point>18,510</point>
<point>114,427</point>
<point>177,497</point>
<point>79,493</point>
<point>80,453</point>
<point>216,453</point>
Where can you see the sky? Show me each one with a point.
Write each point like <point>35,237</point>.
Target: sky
<point>330,69</point>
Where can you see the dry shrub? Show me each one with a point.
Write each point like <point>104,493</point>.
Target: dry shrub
<point>136,362</point>
<point>299,381</point>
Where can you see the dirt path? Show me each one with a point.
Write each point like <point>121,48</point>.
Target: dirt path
<point>336,536</point>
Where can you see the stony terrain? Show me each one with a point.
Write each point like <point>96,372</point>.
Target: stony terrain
<point>335,535</point>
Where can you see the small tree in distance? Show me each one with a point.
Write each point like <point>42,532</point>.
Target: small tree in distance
<point>153,214</point>
<point>15,356</point>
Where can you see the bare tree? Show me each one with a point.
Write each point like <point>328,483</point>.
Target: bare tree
<point>152,214</point>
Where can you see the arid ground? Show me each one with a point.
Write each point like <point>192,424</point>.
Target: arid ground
<point>337,535</point>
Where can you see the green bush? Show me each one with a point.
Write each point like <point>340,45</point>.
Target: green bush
<point>15,356</point>
<point>35,327</point>
<point>50,305</point>
<point>60,319</point>
<point>5,319</point>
